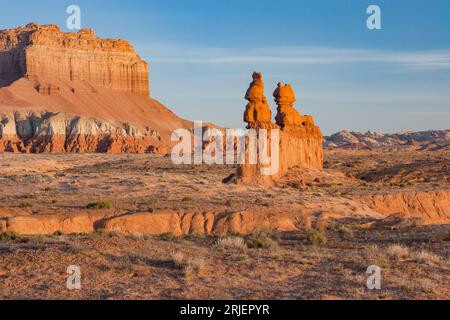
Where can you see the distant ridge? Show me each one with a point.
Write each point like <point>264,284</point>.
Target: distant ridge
<point>431,140</point>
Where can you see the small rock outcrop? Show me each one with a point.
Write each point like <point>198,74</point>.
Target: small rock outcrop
<point>300,140</point>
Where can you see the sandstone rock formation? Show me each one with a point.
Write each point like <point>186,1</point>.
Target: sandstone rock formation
<point>257,110</point>
<point>287,115</point>
<point>75,92</point>
<point>146,223</point>
<point>431,207</point>
<point>300,140</point>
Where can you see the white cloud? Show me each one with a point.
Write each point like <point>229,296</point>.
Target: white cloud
<point>168,53</point>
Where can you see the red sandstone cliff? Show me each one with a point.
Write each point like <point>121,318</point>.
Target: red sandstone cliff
<point>45,51</point>
<point>75,92</point>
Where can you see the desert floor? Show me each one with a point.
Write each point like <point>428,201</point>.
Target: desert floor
<point>327,259</point>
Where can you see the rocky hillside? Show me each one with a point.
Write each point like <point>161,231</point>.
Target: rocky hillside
<point>75,92</point>
<point>423,140</point>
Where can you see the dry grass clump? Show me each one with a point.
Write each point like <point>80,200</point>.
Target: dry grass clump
<point>345,231</point>
<point>189,267</point>
<point>99,205</point>
<point>401,252</point>
<point>12,236</point>
<point>372,255</point>
<point>316,237</point>
<point>447,236</point>
<point>424,256</point>
<point>231,243</point>
<point>424,285</point>
<point>262,242</point>
<point>398,251</point>
<point>178,259</point>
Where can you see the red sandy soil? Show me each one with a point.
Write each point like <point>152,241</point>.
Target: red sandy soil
<point>410,244</point>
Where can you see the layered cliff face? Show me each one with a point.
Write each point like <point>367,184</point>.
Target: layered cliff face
<point>55,82</point>
<point>432,207</point>
<point>47,52</point>
<point>33,132</point>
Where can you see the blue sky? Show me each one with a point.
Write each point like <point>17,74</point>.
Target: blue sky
<point>202,54</point>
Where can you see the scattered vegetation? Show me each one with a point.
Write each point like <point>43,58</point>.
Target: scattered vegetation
<point>372,255</point>
<point>424,256</point>
<point>345,231</point>
<point>25,205</point>
<point>189,266</point>
<point>98,205</point>
<point>295,184</point>
<point>231,243</point>
<point>12,236</point>
<point>397,251</point>
<point>316,237</point>
<point>262,242</point>
<point>447,236</point>
<point>263,203</point>
<point>229,202</point>
<point>187,199</point>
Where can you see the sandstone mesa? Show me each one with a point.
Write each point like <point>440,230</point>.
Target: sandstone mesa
<point>75,92</point>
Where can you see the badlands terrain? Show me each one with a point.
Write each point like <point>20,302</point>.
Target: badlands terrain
<point>85,181</point>
<point>140,227</point>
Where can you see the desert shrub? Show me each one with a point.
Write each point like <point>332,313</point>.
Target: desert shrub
<point>25,205</point>
<point>12,236</point>
<point>263,203</point>
<point>231,243</point>
<point>295,184</point>
<point>447,236</point>
<point>197,264</point>
<point>372,255</point>
<point>397,251</point>
<point>105,233</point>
<point>262,243</point>
<point>345,231</point>
<point>234,234</point>
<point>178,259</point>
<point>98,205</point>
<point>316,237</point>
<point>58,233</point>
<point>167,237</point>
<point>189,267</point>
<point>410,222</point>
<point>6,236</point>
<point>426,257</point>
<point>229,202</point>
<point>186,199</point>
<point>424,285</point>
